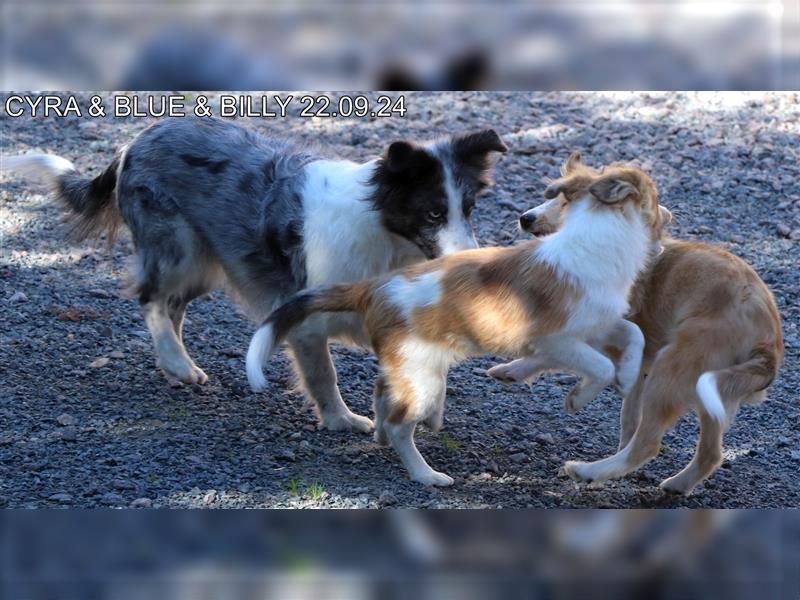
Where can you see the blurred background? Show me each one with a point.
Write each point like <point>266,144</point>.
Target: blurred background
<point>401,45</point>
<point>400,554</point>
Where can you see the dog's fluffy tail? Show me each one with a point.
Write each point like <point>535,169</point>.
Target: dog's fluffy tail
<point>273,331</point>
<point>741,382</point>
<point>93,210</point>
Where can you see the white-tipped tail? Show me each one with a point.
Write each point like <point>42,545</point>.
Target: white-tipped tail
<point>257,355</point>
<point>708,392</point>
<point>42,167</point>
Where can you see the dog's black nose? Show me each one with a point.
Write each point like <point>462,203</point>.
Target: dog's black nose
<point>527,220</point>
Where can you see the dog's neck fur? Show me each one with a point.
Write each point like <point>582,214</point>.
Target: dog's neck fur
<point>599,249</point>
<point>344,237</point>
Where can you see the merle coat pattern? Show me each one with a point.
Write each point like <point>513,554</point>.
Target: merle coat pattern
<point>211,203</point>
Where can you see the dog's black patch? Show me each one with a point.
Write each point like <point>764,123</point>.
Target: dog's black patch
<point>410,194</point>
<point>410,184</point>
<point>215,167</point>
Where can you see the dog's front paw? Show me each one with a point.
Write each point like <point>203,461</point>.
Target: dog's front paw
<point>434,478</point>
<point>178,373</point>
<point>578,471</point>
<point>516,371</point>
<point>504,373</point>
<point>577,398</point>
<point>675,485</point>
<point>574,401</point>
<point>346,421</point>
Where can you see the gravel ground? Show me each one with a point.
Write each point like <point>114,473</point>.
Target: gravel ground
<point>87,420</point>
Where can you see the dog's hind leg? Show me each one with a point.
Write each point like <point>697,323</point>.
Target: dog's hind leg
<point>177,304</point>
<point>172,356</point>
<point>661,403</point>
<point>318,377</point>
<point>707,458</point>
<point>172,271</point>
<point>417,383</point>
<point>381,406</point>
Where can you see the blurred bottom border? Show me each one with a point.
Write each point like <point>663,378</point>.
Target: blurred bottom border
<point>400,554</point>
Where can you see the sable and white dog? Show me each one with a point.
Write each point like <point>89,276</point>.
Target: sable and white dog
<point>210,202</point>
<point>713,342</point>
<point>544,298</point>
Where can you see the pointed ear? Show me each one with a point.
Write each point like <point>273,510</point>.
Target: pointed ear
<point>665,215</point>
<point>478,144</point>
<point>611,190</point>
<point>569,165</point>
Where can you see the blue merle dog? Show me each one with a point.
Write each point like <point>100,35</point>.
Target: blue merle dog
<point>211,203</point>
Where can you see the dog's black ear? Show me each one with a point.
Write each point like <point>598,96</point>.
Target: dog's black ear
<point>571,163</point>
<point>611,190</point>
<point>407,159</point>
<point>478,144</point>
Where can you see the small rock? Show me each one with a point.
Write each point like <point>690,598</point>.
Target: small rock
<point>99,362</point>
<point>304,445</point>
<point>737,239</point>
<point>68,434</point>
<point>784,230</point>
<point>18,297</point>
<point>142,503</point>
<point>545,438</point>
<point>210,497</point>
<point>111,499</point>
<point>285,454</point>
<point>116,354</point>
<point>387,498</point>
<point>123,484</point>
<point>65,420</point>
<point>795,235</point>
<point>296,435</point>
<point>518,457</point>
<point>795,454</point>
<point>61,497</point>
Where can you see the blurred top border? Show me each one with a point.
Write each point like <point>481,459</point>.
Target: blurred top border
<point>477,45</point>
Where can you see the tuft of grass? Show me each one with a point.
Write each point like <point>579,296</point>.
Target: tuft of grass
<point>450,443</point>
<point>152,478</point>
<point>315,491</point>
<point>294,486</point>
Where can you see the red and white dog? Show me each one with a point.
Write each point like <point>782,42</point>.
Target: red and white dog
<point>713,342</point>
<point>546,299</point>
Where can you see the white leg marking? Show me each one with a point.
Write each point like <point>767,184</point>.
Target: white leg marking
<point>601,470</point>
<point>402,439</point>
<point>172,356</point>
